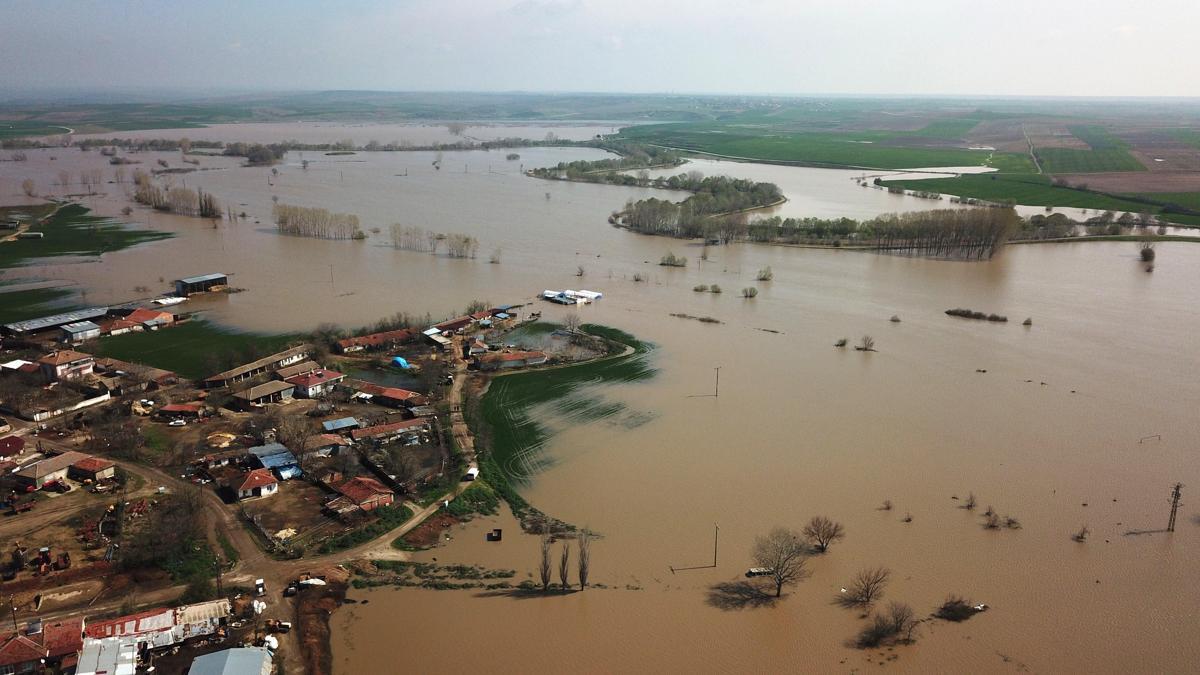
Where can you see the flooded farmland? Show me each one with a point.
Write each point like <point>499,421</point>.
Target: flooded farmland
<point>1049,434</point>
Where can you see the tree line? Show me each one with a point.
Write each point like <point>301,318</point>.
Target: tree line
<point>178,200</point>
<point>305,221</point>
<point>412,238</point>
<point>713,196</point>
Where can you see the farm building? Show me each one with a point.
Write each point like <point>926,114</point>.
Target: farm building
<point>93,469</point>
<point>324,445</point>
<point>501,361</point>
<point>360,494</point>
<point>236,661</point>
<point>108,656</point>
<point>45,323</point>
<point>302,368</point>
<point>181,411</point>
<point>453,325</point>
<point>384,340</point>
<point>80,331</point>
<point>392,397</point>
<point>316,384</point>
<point>49,469</point>
<point>199,284</point>
<point>66,364</point>
<point>278,459</point>
<point>262,394</point>
<point>164,627</point>
<point>258,367</point>
<point>435,336</point>
<point>383,433</point>
<point>255,483</point>
<point>343,424</point>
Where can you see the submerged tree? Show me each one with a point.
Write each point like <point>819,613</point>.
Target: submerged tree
<point>822,532</point>
<point>783,552</point>
<point>564,565</point>
<point>585,557</point>
<point>544,567</point>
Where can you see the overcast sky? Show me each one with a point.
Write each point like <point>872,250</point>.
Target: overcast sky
<point>994,47</point>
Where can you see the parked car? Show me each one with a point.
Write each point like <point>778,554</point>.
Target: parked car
<point>177,423</point>
<point>260,587</point>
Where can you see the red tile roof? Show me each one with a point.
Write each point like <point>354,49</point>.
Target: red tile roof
<point>92,464</point>
<point>256,479</point>
<point>63,638</point>
<point>181,407</point>
<point>386,429</point>
<point>61,358</point>
<point>314,378</point>
<point>379,339</point>
<point>454,324</point>
<point>11,445</point>
<point>387,392</point>
<point>362,489</point>
<point>19,649</point>
<point>142,315</point>
<point>150,620</point>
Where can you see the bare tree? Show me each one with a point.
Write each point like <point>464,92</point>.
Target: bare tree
<point>823,532</point>
<point>970,503</point>
<point>29,187</point>
<point>571,323</point>
<point>564,565</point>
<point>903,620</point>
<point>1082,535</point>
<point>544,568</point>
<point>585,557</point>
<point>867,587</point>
<point>783,552</point>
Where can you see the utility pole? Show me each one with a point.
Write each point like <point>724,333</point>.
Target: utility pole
<point>1175,494</point>
<point>716,532</point>
<point>12,603</point>
<point>717,388</point>
<point>331,288</point>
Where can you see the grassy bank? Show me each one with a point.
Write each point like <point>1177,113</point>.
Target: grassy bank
<point>30,304</point>
<point>193,350</point>
<point>507,408</point>
<point>71,231</point>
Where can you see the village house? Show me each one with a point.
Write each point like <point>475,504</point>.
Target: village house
<point>505,360</point>
<point>376,341</point>
<point>41,645</point>
<point>66,364</point>
<point>11,446</point>
<point>150,319</point>
<point>262,394</point>
<point>384,433</point>
<point>254,483</point>
<point>135,371</point>
<point>454,325</point>
<point>118,327</point>
<point>360,494</point>
<point>49,469</point>
<point>324,445</point>
<point>93,469</point>
<point>316,384</point>
<point>186,411</point>
<point>258,367</point>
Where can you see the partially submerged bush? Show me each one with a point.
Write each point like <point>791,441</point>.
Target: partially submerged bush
<point>714,289</point>
<point>956,609</point>
<point>897,624</point>
<point>749,292</point>
<point>672,260</point>
<point>700,288</point>
<point>841,343</point>
<point>765,274</point>
<point>1147,251</point>
<point>980,316</point>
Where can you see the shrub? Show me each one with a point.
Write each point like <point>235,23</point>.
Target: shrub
<point>714,289</point>
<point>841,343</point>
<point>700,288</point>
<point>672,260</point>
<point>749,292</point>
<point>956,609</point>
<point>1147,252</point>
<point>765,274</point>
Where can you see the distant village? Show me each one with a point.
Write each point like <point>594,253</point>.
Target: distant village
<point>312,449</point>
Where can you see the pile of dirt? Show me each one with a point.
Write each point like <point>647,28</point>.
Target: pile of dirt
<point>314,606</point>
<point>429,533</point>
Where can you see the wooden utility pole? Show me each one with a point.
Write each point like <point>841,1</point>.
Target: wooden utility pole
<point>1175,494</point>
<point>716,533</point>
<point>717,388</point>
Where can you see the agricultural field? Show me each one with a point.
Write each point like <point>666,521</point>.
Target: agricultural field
<point>19,128</point>
<point>859,149</point>
<point>1033,190</point>
<point>194,349</point>
<point>32,303</point>
<point>71,231</point>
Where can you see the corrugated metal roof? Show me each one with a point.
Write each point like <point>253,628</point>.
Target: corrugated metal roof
<point>202,278</point>
<point>236,661</point>
<point>343,423</point>
<point>204,611</point>
<point>53,320</point>
<point>110,656</point>
<point>81,327</point>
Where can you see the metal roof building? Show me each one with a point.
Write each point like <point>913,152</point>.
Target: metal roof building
<point>277,458</point>
<point>340,424</point>
<point>54,321</point>
<point>237,661</point>
<point>199,284</point>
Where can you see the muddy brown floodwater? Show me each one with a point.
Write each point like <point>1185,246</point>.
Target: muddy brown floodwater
<point>1048,434</point>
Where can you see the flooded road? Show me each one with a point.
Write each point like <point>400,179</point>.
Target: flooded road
<point>799,429</point>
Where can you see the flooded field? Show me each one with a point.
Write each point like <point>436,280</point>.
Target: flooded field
<point>1049,434</point>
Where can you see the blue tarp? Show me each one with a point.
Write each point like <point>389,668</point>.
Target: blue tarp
<point>278,458</point>
<point>399,362</point>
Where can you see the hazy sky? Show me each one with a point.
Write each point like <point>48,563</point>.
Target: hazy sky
<point>1036,47</point>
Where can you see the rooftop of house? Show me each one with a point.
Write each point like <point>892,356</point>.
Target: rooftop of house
<point>93,464</point>
<point>315,378</point>
<point>64,357</point>
<point>376,339</point>
<point>260,390</point>
<point>361,489</point>
<point>256,479</point>
<point>11,445</point>
<point>385,429</point>
<point>142,315</point>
